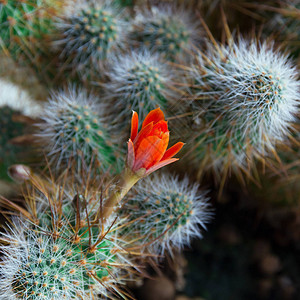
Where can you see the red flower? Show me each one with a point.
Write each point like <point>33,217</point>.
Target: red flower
<point>147,149</point>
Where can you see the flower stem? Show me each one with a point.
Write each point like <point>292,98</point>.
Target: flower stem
<point>127,180</point>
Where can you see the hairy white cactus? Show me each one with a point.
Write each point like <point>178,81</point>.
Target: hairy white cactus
<point>246,97</point>
<point>166,213</point>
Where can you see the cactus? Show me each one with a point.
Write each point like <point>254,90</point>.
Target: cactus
<point>74,130</point>
<point>140,82</point>
<point>165,212</point>
<point>64,250</point>
<point>89,32</point>
<point>23,24</point>
<point>249,96</point>
<point>171,32</point>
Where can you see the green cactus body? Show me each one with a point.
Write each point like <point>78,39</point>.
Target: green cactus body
<point>166,31</point>
<point>160,212</point>
<point>169,36</point>
<point>84,133</point>
<point>15,19</point>
<point>89,33</point>
<point>74,131</point>
<point>124,3</point>
<point>97,26</point>
<point>9,129</point>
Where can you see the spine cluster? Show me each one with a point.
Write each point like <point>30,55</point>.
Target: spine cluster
<point>97,217</point>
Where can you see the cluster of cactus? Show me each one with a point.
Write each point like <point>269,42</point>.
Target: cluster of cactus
<point>63,247</point>
<point>66,252</point>
<point>71,241</point>
<point>92,225</point>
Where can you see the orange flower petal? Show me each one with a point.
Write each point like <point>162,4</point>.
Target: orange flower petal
<point>160,150</point>
<point>159,128</point>
<point>142,134</point>
<point>134,125</point>
<point>161,164</point>
<point>154,116</point>
<point>173,150</point>
<point>147,152</point>
<point>130,154</point>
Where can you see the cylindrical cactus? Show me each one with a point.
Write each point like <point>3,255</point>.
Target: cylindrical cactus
<point>64,251</point>
<point>73,130</point>
<point>89,32</point>
<point>140,82</point>
<point>167,30</point>
<point>165,212</point>
<point>245,100</point>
